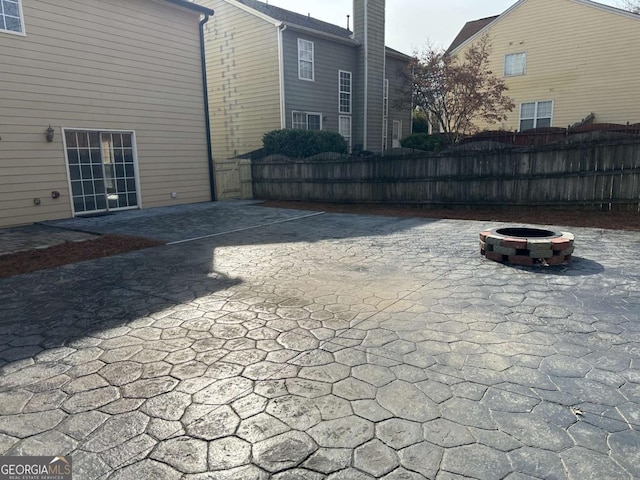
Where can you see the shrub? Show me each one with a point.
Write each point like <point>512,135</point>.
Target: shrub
<point>303,143</point>
<point>426,142</point>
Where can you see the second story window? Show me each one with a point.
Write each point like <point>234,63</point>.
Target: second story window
<point>11,17</point>
<point>515,64</point>
<point>344,79</point>
<point>305,60</point>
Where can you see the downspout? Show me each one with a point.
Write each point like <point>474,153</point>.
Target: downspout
<point>283,114</point>
<point>366,73</point>
<point>205,89</point>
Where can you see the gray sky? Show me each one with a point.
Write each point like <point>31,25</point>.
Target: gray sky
<point>411,24</point>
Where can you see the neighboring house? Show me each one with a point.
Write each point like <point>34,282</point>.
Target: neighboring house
<point>101,107</point>
<point>562,60</point>
<point>270,68</point>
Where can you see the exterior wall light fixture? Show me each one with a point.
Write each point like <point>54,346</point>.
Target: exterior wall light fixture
<point>50,132</point>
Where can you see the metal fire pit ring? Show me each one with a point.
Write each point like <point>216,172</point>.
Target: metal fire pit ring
<point>527,246</point>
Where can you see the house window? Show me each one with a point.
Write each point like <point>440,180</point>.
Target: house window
<point>515,64</point>
<point>305,60</point>
<point>299,121</point>
<point>11,18</point>
<point>344,128</point>
<point>306,121</point>
<point>385,99</point>
<point>396,134</point>
<point>536,114</point>
<point>344,80</point>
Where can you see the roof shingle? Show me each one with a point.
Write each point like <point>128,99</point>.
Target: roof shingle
<point>469,30</point>
<point>293,18</point>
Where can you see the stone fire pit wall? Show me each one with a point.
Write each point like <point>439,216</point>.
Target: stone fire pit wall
<point>527,246</point>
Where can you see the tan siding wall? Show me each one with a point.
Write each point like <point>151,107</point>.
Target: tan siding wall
<point>243,80</point>
<point>582,58</point>
<point>122,64</point>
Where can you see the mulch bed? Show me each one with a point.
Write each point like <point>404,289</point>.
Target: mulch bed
<point>71,252</point>
<point>613,220</point>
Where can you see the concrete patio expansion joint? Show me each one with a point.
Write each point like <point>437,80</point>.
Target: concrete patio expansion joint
<point>254,227</point>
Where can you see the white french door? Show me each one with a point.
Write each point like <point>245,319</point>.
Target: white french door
<point>102,170</point>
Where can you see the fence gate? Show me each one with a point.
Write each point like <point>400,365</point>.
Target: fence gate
<point>233,179</point>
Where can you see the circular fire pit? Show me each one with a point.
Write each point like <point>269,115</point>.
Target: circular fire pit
<point>526,246</point>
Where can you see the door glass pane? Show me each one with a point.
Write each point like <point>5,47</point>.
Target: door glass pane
<point>78,204</point>
<point>76,189</point>
<point>71,139</point>
<point>83,139</point>
<point>74,172</point>
<point>90,200</point>
<point>101,202</point>
<point>72,156</point>
<point>94,140</point>
<point>84,155</point>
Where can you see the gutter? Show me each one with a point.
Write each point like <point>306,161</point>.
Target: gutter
<point>321,34</point>
<point>366,73</point>
<point>205,90</point>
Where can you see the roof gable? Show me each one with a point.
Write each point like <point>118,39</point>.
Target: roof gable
<point>469,30</point>
<point>469,36</point>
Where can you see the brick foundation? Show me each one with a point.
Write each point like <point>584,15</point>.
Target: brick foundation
<point>543,247</point>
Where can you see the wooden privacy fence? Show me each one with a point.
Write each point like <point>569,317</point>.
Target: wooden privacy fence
<point>602,175</point>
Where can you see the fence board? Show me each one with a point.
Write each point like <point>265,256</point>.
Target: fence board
<point>602,174</point>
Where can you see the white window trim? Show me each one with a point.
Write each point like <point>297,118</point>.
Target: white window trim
<point>524,70</point>
<point>385,99</point>
<point>348,138</point>
<point>306,115</point>
<point>340,92</point>
<point>313,60</point>
<point>134,147</point>
<point>23,33</point>
<point>385,134</point>
<point>535,113</point>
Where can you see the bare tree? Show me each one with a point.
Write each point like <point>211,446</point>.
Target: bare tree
<point>457,92</point>
<point>631,5</point>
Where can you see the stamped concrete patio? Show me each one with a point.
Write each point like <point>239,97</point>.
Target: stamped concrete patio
<point>288,346</point>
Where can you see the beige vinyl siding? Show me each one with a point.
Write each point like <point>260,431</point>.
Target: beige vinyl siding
<point>243,80</point>
<point>581,57</point>
<point>130,65</point>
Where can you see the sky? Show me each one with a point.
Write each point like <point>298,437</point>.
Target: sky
<point>411,24</point>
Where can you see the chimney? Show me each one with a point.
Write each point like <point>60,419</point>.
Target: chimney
<point>368,30</point>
